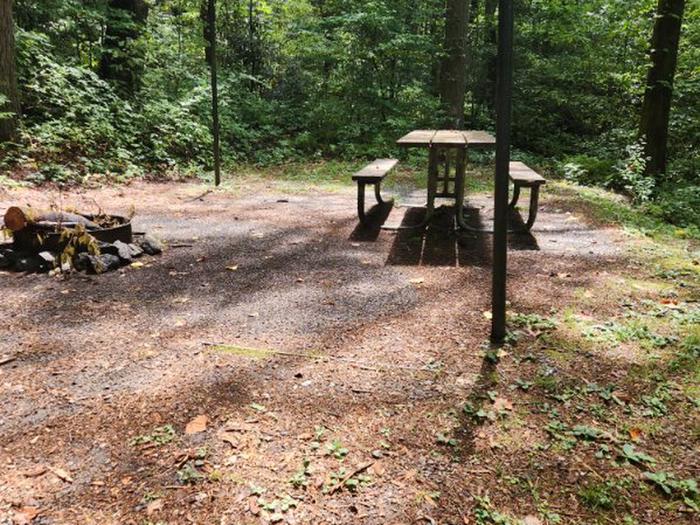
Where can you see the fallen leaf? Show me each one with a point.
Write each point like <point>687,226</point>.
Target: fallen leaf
<point>154,506</point>
<point>62,474</point>
<point>488,315</point>
<point>137,264</point>
<point>25,515</point>
<point>198,424</point>
<point>378,468</point>
<point>635,433</point>
<point>502,403</point>
<point>232,268</point>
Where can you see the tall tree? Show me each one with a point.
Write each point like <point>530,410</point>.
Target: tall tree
<point>208,12</point>
<point>453,70</point>
<point>8,75</point>
<point>120,62</point>
<point>656,109</point>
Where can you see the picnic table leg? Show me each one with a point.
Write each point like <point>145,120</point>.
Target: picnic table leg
<point>361,202</point>
<point>460,184</point>
<point>433,158</point>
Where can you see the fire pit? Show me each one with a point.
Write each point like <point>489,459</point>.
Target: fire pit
<point>61,242</point>
<point>36,239</point>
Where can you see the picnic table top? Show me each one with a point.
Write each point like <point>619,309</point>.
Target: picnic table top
<point>447,138</point>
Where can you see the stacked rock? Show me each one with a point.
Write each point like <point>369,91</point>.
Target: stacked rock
<point>111,256</point>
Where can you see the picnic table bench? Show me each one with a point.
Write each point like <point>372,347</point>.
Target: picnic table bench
<point>522,176</point>
<point>373,174</point>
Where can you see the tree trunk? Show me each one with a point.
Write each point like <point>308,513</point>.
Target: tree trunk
<point>656,109</point>
<point>208,12</point>
<point>488,96</point>
<point>8,74</point>
<point>119,62</point>
<point>453,70</point>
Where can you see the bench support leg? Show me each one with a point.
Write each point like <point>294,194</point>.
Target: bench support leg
<point>361,202</point>
<point>516,196</point>
<point>378,193</point>
<point>534,204</point>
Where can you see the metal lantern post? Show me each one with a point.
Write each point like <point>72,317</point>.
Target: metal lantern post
<point>504,95</point>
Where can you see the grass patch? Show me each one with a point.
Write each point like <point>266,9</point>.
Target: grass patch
<point>599,496</point>
<point>606,207</point>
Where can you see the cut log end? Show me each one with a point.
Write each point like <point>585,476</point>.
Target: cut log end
<point>16,219</point>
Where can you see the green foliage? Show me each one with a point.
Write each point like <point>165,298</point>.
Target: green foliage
<point>631,454</point>
<point>679,205</point>
<point>631,174</point>
<point>599,496</point>
<point>532,322</point>
<point>686,489</point>
<point>160,436</point>
<point>336,449</point>
<point>300,477</point>
<point>301,80</point>
<point>486,514</point>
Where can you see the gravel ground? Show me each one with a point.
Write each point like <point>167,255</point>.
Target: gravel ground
<point>372,335</point>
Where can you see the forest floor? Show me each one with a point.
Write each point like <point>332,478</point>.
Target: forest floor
<point>279,364</point>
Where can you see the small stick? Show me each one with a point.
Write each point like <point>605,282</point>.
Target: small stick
<point>198,197</point>
<point>354,473</point>
<point>5,360</point>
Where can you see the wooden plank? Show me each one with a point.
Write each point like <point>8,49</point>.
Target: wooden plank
<point>479,139</point>
<point>419,137</point>
<point>522,173</point>
<point>447,138</point>
<point>376,170</point>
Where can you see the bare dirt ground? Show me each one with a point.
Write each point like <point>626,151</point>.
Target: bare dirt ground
<point>348,390</point>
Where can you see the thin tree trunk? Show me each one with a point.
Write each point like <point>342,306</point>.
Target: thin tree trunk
<point>487,84</point>
<point>453,71</point>
<point>210,53</point>
<point>656,109</point>
<point>8,73</point>
<point>119,62</point>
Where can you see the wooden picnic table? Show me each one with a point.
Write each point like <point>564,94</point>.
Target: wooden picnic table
<point>443,145</point>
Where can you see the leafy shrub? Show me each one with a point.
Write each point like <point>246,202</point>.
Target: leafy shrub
<point>631,173</point>
<point>69,112</point>
<point>679,205</point>
<point>587,170</point>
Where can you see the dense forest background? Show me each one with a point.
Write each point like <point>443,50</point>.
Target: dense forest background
<point>121,87</point>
